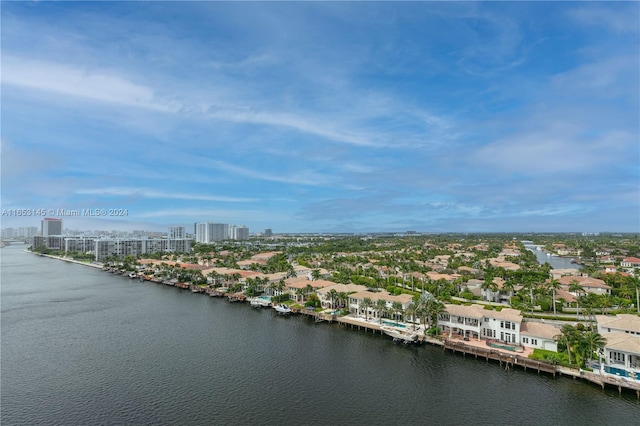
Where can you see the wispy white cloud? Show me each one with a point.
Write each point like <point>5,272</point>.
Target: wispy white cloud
<point>148,193</point>
<point>77,81</point>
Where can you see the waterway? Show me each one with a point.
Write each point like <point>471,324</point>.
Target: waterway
<point>556,262</point>
<point>81,346</point>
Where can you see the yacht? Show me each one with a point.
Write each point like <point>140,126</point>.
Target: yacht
<point>282,309</point>
<point>399,334</point>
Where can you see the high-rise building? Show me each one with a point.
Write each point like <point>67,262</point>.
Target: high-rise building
<point>177,232</point>
<point>242,233</point>
<point>51,226</point>
<point>268,232</point>
<point>207,232</point>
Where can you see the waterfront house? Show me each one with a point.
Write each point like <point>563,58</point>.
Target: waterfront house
<point>324,292</point>
<point>537,335</point>
<point>300,287</point>
<point>477,322</point>
<point>355,302</point>
<point>622,350</point>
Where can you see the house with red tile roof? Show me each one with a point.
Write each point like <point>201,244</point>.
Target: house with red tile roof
<point>590,285</point>
<point>630,262</point>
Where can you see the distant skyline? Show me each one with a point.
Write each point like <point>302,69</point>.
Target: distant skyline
<point>324,116</point>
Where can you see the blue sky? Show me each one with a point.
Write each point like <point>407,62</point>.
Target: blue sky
<point>324,117</point>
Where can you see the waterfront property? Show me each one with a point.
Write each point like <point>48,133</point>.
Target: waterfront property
<point>537,335</point>
<point>477,322</point>
<point>325,293</point>
<point>356,306</point>
<point>622,349</point>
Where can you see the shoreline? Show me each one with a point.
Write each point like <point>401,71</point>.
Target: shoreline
<point>93,265</point>
<point>455,346</point>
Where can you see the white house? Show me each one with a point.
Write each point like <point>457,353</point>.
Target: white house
<point>355,300</point>
<point>537,335</point>
<point>477,322</point>
<point>622,350</point>
<point>325,299</point>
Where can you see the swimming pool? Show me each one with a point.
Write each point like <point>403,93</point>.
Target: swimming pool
<point>392,323</point>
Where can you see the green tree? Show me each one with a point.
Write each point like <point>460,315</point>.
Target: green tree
<point>365,305</point>
<point>553,285</point>
<point>397,309</point>
<point>381,306</point>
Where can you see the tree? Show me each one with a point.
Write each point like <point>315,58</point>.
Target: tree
<point>333,295</point>
<point>381,305</point>
<point>595,341</point>
<point>344,298</point>
<point>635,283</point>
<point>396,308</point>
<point>315,274</point>
<point>569,334</point>
<point>365,305</point>
<point>411,311</point>
<point>576,288</point>
<point>554,285</point>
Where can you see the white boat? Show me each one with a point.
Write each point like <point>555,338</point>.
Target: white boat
<point>258,302</point>
<point>282,309</point>
<point>400,334</point>
<point>133,275</point>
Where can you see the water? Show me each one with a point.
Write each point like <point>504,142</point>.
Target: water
<point>555,261</point>
<point>81,346</point>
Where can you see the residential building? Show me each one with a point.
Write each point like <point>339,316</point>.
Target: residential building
<point>52,242</point>
<point>590,285</point>
<point>622,349</point>
<point>537,335</point>
<point>177,232</point>
<point>355,302</point>
<point>477,322</point>
<point>51,226</point>
<point>630,262</point>
<point>105,247</point>
<point>325,299</point>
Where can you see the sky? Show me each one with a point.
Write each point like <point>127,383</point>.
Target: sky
<point>323,117</point>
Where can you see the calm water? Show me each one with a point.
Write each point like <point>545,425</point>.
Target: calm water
<point>80,346</point>
<point>555,261</point>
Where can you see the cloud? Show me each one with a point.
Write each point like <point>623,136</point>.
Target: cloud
<point>75,81</point>
<point>148,193</point>
<point>623,18</point>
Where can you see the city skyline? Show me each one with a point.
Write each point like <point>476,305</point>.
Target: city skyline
<point>323,117</point>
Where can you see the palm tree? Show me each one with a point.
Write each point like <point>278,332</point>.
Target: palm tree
<point>344,297</point>
<point>315,274</point>
<point>411,311</point>
<point>333,295</point>
<point>569,334</point>
<point>595,342</point>
<point>635,282</point>
<point>434,308</point>
<point>396,308</point>
<point>381,305</point>
<point>308,289</point>
<point>575,287</point>
<point>365,305</point>
<point>490,287</point>
<point>554,285</point>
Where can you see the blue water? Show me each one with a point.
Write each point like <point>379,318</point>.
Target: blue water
<point>393,323</point>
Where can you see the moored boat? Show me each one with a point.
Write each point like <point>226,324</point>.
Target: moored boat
<point>282,309</point>
<point>399,334</point>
